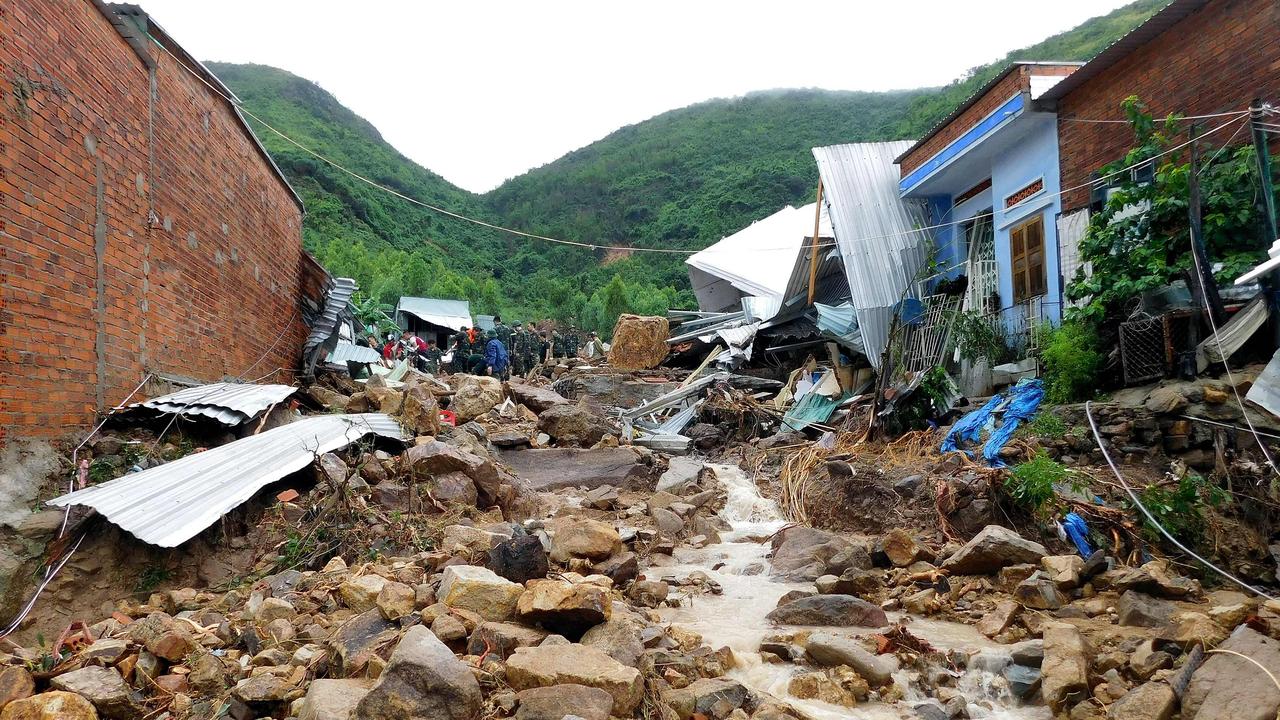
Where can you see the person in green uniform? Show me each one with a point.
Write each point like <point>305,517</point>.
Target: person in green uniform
<point>461,351</point>
<point>572,342</point>
<point>502,331</point>
<point>519,339</point>
<point>432,357</point>
<point>557,346</point>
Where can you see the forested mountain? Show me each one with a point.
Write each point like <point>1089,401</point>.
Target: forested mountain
<point>682,179</point>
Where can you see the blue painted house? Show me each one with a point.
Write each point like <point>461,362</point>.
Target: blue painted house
<point>988,174</point>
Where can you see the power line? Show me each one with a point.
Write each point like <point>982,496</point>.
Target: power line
<point>1180,118</point>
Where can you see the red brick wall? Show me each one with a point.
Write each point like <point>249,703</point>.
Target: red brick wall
<point>1215,60</point>
<point>1007,87</point>
<point>93,295</point>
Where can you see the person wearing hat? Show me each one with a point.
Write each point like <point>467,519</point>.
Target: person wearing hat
<point>496,357</point>
<point>594,349</point>
<point>519,340</point>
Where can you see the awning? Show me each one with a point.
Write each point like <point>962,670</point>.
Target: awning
<point>451,314</point>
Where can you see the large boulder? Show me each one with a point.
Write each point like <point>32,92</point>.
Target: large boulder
<point>473,396</point>
<point>537,399</point>
<point>1228,686</point>
<point>714,698</point>
<point>829,610</point>
<point>993,548</point>
<point>639,342</point>
<point>420,412</point>
<point>563,607</point>
<point>438,458</point>
<point>520,559</point>
<point>333,699</point>
<point>582,538</point>
<point>16,683</point>
<point>831,650</point>
<point>573,425</point>
<point>56,705</point>
<point>105,688</point>
<point>546,665</point>
<point>560,701</point>
<point>1065,669</point>
<point>480,590</point>
<point>557,468</point>
<point>803,553</point>
<point>424,680</point>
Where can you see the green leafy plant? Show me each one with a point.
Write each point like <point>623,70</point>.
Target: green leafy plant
<point>152,577</point>
<point>1069,360</point>
<point>1180,509</point>
<point>1031,483</point>
<point>980,336</point>
<point>1045,425</point>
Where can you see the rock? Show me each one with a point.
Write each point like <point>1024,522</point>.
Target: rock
<point>558,468</point>
<point>274,608</point>
<point>453,488</point>
<point>438,458</point>
<point>829,610</point>
<point>831,650</point>
<point>993,548</point>
<point>1028,652</point>
<point>480,590</point>
<point>1150,701</point>
<point>581,538</point>
<point>604,497</point>
<point>468,541</point>
<point>558,701</point>
<point>333,699</point>
<point>902,549</point>
<point>422,681</point>
<point>502,638</point>
<point>713,698</point>
<point>563,607</point>
<point>355,641</point>
<point>573,425</point>
<point>105,688</point>
<point>669,524</point>
<point>474,396</point>
<point>1215,394</point>
<point>803,553</point>
<point>621,568</point>
<point>396,600</point>
<point>1138,610</point>
<point>639,342</point>
<point>1063,570</point>
<point>1154,578</point>
<point>531,667</point>
<point>1039,592</point>
<point>449,629</point>
<point>1146,660</point>
<point>520,559</point>
<point>1023,681</point>
<point>620,637</point>
<point>648,593</point>
<point>54,705</point>
<point>361,593</point>
<point>923,602</point>
<point>791,596</point>
<point>335,470</point>
<point>1008,578</point>
<point>1166,400</point>
<point>1065,670</point>
<point>16,683</point>
<point>261,695</point>
<point>1187,629</point>
<point>420,413</point>
<point>1229,687</point>
<point>838,686</point>
<point>208,676</point>
<point>1000,618</point>
<point>537,399</point>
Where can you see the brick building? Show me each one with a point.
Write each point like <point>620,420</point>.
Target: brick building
<point>143,229</point>
<point>1194,57</point>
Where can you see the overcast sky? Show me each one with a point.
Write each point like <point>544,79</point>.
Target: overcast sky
<point>482,91</point>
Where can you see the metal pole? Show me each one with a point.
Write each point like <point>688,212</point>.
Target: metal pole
<point>1208,288</point>
<point>813,247</point>
<point>1264,170</point>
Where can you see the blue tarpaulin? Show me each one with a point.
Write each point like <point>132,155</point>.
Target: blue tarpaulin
<point>1078,531</point>
<point>1020,403</point>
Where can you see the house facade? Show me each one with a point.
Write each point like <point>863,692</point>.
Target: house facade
<point>989,176</point>
<point>143,229</point>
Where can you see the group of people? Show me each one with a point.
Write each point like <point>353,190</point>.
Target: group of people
<point>500,352</point>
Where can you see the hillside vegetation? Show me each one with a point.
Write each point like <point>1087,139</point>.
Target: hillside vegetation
<point>682,179</point>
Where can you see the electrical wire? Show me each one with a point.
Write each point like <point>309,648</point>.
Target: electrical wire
<point>1164,119</point>
<point>1093,425</point>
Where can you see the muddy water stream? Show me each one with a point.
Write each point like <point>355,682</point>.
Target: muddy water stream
<point>736,618</point>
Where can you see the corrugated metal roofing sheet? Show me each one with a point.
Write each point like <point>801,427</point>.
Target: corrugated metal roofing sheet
<point>760,258</point>
<point>325,329</point>
<point>878,232</point>
<point>350,352</point>
<point>170,504</point>
<point>228,403</point>
<point>451,314</point>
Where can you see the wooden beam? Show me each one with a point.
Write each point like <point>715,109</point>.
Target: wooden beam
<point>813,246</point>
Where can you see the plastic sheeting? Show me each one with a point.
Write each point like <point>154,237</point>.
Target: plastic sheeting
<point>1019,404</point>
<point>841,322</point>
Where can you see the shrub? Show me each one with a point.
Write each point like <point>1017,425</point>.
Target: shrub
<point>1180,510</point>
<point>1069,360</point>
<point>1045,425</point>
<point>1031,483</point>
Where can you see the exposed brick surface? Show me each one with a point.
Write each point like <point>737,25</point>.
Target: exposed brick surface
<point>93,294</point>
<point>1018,80</point>
<point>1217,59</point>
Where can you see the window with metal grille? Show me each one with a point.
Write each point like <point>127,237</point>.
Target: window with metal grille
<point>1027,249</point>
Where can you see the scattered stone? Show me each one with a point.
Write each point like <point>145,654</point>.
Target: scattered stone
<point>474,396</point>
<point>563,607</point>
<point>56,705</point>
<point>838,686</point>
<point>208,676</point>
<point>449,629</point>
<point>502,638</point>
<point>1187,629</point>
<point>832,650</point>
<point>531,667</point>
<point>714,698</point>
<point>993,548</point>
<point>423,679</point>
<point>1063,570</point>
<point>1039,592</point>
<point>361,593</point>
<point>1066,666</point>
<point>581,538</point>
<point>479,590</point>
<point>1227,687</point>
<point>1000,618</point>
<point>105,688</point>
<point>669,523</point>
<point>333,699</point>
<point>396,600</point>
<point>902,549</point>
<point>604,497</point>
<point>621,568</point>
<point>558,701</point>
<point>829,610</point>
<point>621,637</point>
<point>1166,400</point>
<point>1149,701</point>
<point>803,553</point>
<point>681,471</point>
<point>1154,578</point>
<point>16,683</point>
<point>1028,652</point>
<point>520,559</point>
<point>648,593</point>
<point>1023,680</point>
<point>573,425</point>
<point>356,640</point>
<point>537,399</point>
<point>1138,610</point>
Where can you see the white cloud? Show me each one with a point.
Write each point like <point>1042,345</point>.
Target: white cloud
<point>482,91</point>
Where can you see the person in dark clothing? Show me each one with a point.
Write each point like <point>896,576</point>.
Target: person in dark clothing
<point>497,359</point>
<point>572,342</point>
<point>431,357</point>
<point>503,332</point>
<point>557,346</point>
<point>519,339</point>
<point>462,351</point>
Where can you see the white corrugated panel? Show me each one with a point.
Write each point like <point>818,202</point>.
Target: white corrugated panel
<point>452,314</point>
<point>350,352</point>
<point>760,258</point>
<point>1071,230</point>
<point>170,504</point>
<point>878,232</point>
<point>228,403</point>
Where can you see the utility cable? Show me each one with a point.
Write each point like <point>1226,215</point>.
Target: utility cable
<point>1093,425</point>
<point>1164,119</point>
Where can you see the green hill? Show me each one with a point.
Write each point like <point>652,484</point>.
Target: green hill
<point>682,179</point>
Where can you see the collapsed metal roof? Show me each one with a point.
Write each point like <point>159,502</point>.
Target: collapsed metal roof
<point>346,352</point>
<point>760,259</point>
<point>172,503</point>
<point>228,403</point>
<point>451,314</point>
<point>881,236</point>
<point>324,330</point>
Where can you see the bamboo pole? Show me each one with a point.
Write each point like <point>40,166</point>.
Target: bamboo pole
<point>813,247</point>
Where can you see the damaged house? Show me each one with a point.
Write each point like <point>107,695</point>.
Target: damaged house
<point>145,229</point>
